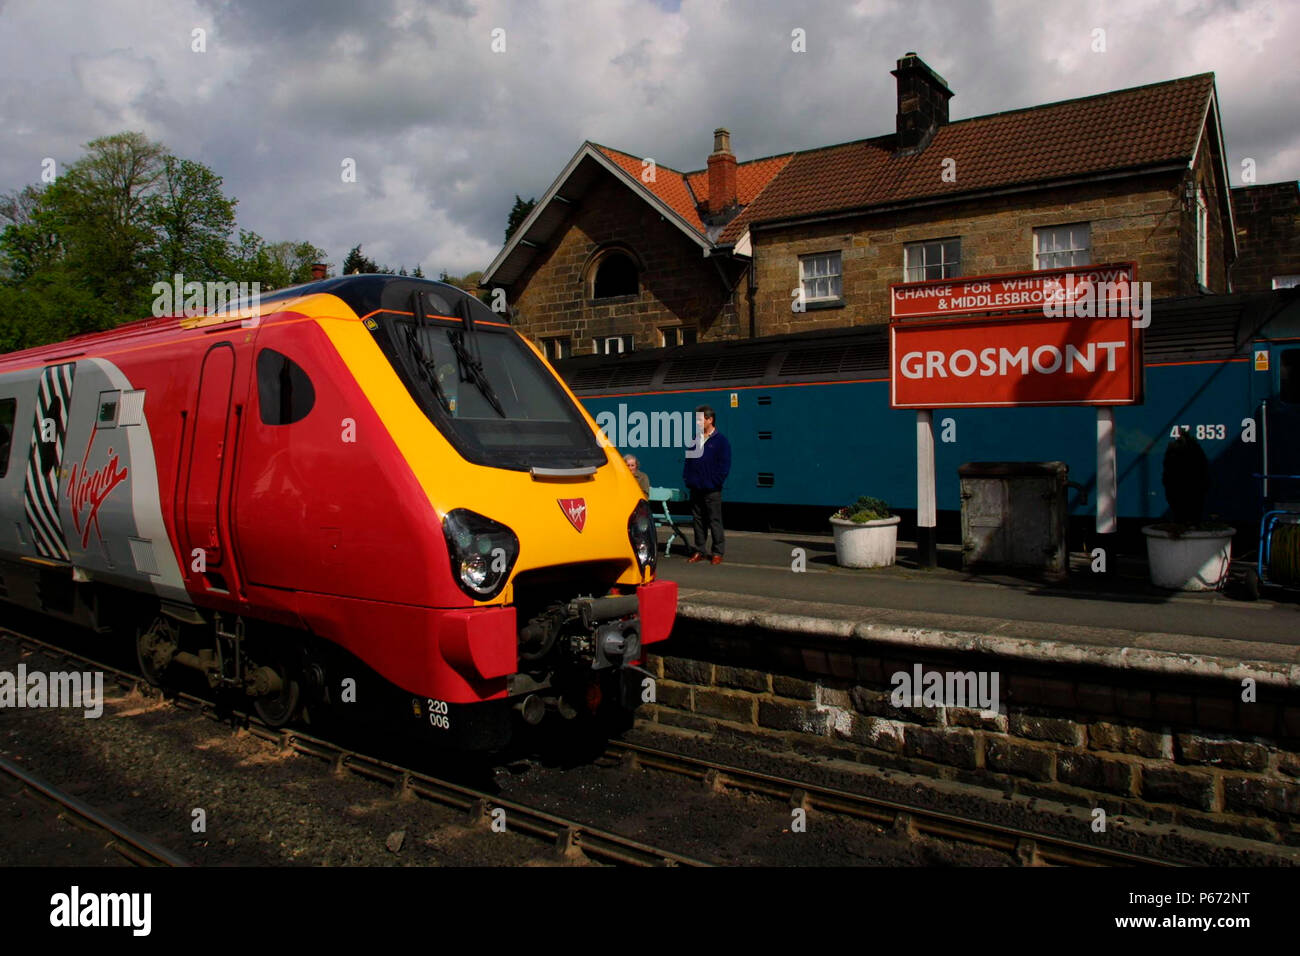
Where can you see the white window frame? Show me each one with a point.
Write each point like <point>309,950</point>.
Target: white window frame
<point>1202,240</point>
<point>932,253</point>
<point>825,270</point>
<point>1078,255</point>
<point>557,347</point>
<point>678,335</point>
<point>601,344</point>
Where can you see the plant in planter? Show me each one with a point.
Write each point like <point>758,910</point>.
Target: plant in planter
<point>866,534</point>
<point>1188,553</point>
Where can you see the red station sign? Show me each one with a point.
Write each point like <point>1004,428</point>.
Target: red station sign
<point>1075,358</point>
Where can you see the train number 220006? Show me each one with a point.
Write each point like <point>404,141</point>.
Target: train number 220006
<point>438,714</point>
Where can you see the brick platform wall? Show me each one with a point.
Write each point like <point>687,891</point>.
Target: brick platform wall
<point>1192,754</point>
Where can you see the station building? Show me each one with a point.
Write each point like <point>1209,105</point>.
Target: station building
<point>621,253</point>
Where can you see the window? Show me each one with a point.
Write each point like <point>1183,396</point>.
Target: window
<point>557,348</point>
<point>616,275</point>
<point>285,393</point>
<point>675,335</point>
<point>613,344</point>
<point>7,409</point>
<point>933,259</point>
<point>1289,377</point>
<point>1202,239</point>
<point>820,277</point>
<point>1056,247</point>
<point>1286,282</point>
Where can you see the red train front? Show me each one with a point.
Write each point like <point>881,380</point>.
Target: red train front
<point>366,491</point>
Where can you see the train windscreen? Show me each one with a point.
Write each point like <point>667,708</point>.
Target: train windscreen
<point>489,394</point>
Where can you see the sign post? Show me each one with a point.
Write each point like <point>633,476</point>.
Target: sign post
<point>1051,337</point>
<point>1107,486</point>
<point>927,549</point>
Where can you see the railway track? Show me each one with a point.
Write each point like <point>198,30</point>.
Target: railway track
<point>122,840</point>
<point>569,838</point>
<point>1029,847</point>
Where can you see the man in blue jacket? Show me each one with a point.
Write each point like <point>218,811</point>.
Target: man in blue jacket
<point>708,461</point>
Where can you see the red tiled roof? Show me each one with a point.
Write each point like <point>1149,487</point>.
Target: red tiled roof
<point>672,186</point>
<point>1143,126</point>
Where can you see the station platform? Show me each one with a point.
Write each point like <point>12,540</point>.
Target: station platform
<point>1113,621</point>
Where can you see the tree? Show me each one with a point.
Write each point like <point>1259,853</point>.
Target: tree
<point>84,251</point>
<point>518,213</point>
<point>193,220</point>
<point>356,262</point>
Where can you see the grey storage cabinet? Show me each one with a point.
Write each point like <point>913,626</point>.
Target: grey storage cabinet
<point>1013,517</point>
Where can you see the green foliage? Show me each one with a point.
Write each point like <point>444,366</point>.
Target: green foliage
<point>863,510</point>
<point>355,262</point>
<point>518,213</point>
<point>83,252</point>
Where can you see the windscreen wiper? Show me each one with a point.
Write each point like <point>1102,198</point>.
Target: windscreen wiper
<point>470,364</point>
<point>422,360</point>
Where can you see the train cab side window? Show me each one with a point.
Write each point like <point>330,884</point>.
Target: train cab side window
<point>7,409</point>
<point>285,393</point>
<point>1289,374</point>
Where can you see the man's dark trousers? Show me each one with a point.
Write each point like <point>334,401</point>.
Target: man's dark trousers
<point>706,512</point>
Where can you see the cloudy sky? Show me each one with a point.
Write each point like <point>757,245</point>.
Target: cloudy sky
<point>445,130</point>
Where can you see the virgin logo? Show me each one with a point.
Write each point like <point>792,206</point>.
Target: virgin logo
<point>575,509</point>
<point>88,489</point>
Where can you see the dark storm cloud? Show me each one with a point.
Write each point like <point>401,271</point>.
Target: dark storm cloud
<point>444,131</point>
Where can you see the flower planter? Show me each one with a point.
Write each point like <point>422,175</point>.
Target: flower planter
<point>1191,561</point>
<point>868,545</point>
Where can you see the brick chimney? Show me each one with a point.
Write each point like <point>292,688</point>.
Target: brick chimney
<point>923,97</point>
<point>722,173</point>
<point>318,270</point>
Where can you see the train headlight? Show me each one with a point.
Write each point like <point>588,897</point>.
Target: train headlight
<point>641,533</point>
<point>482,552</point>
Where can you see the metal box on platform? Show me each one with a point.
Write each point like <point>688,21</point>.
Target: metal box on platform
<point>1013,517</point>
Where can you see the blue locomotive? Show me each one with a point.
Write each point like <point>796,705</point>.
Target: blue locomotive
<point>809,420</point>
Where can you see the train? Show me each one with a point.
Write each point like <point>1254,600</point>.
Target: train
<point>364,490</point>
<point>811,428</point>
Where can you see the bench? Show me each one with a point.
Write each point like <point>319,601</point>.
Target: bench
<point>659,498</point>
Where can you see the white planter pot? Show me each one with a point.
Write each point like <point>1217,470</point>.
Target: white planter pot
<point>1192,561</point>
<point>868,545</point>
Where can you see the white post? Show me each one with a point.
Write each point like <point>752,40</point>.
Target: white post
<point>926,547</point>
<point>1107,483</point>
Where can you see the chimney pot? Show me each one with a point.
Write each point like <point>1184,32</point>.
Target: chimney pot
<point>318,270</point>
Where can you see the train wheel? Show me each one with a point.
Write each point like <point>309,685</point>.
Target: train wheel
<point>281,707</point>
<point>154,647</point>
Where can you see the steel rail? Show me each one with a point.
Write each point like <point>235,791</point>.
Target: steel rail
<point>1028,846</point>
<point>140,850</point>
<point>570,838</point>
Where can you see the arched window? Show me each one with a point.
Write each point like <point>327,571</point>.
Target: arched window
<point>615,275</point>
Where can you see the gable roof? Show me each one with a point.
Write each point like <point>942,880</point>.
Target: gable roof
<point>1122,131</point>
<point>1142,129</point>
